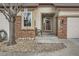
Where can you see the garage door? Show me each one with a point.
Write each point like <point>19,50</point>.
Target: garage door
<point>73,27</point>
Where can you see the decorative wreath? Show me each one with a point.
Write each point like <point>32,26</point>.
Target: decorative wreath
<point>3,35</point>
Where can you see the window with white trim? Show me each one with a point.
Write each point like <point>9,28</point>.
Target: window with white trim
<point>27,19</point>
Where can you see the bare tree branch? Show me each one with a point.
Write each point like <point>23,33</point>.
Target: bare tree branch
<point>11,11</point>
<point>7,17</point>
<point>17,8</point>
<point>5,7</point>
<point>10,15</point>
<point>3,12</point>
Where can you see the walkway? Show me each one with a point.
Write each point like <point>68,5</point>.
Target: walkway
<point>47,39</point>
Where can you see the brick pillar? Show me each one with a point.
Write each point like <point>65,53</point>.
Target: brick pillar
<point>22,33</point>
<point>62,27</point>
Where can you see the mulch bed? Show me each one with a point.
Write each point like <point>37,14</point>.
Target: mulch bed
<point>31,46</point>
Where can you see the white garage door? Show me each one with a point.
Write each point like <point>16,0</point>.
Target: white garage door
<point>73,27</point>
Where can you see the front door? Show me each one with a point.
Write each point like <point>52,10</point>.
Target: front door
<point>47,24</point>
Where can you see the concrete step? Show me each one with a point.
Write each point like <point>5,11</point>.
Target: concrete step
<point>47,39</point>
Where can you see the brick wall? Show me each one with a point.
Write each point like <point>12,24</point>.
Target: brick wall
<point>20,33</point>
<point>62,27</point>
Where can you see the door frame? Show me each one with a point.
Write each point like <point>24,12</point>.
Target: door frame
<point>42,22</point>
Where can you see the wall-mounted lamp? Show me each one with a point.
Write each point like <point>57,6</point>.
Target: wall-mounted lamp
<point>62,22</point>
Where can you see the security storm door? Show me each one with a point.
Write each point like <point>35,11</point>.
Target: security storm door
<point>47,25</point>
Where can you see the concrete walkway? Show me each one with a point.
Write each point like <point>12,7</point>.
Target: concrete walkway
<point>47,39</point>
<point>71,50</point>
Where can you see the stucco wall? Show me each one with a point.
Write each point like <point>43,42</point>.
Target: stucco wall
<point>41,10</point>
<point>36,16</point>
<point>4,24</point>
<point>68,12</point>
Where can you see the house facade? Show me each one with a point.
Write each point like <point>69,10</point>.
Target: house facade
<point>62,20</point>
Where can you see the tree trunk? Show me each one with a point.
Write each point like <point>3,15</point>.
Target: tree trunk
<point>11,40</point>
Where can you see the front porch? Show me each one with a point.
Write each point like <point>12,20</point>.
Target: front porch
<point>47,37</point>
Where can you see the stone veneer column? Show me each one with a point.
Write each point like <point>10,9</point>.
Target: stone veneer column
<point>62,27</point>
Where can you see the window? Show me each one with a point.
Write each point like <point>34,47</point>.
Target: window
<point>27,19</point>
